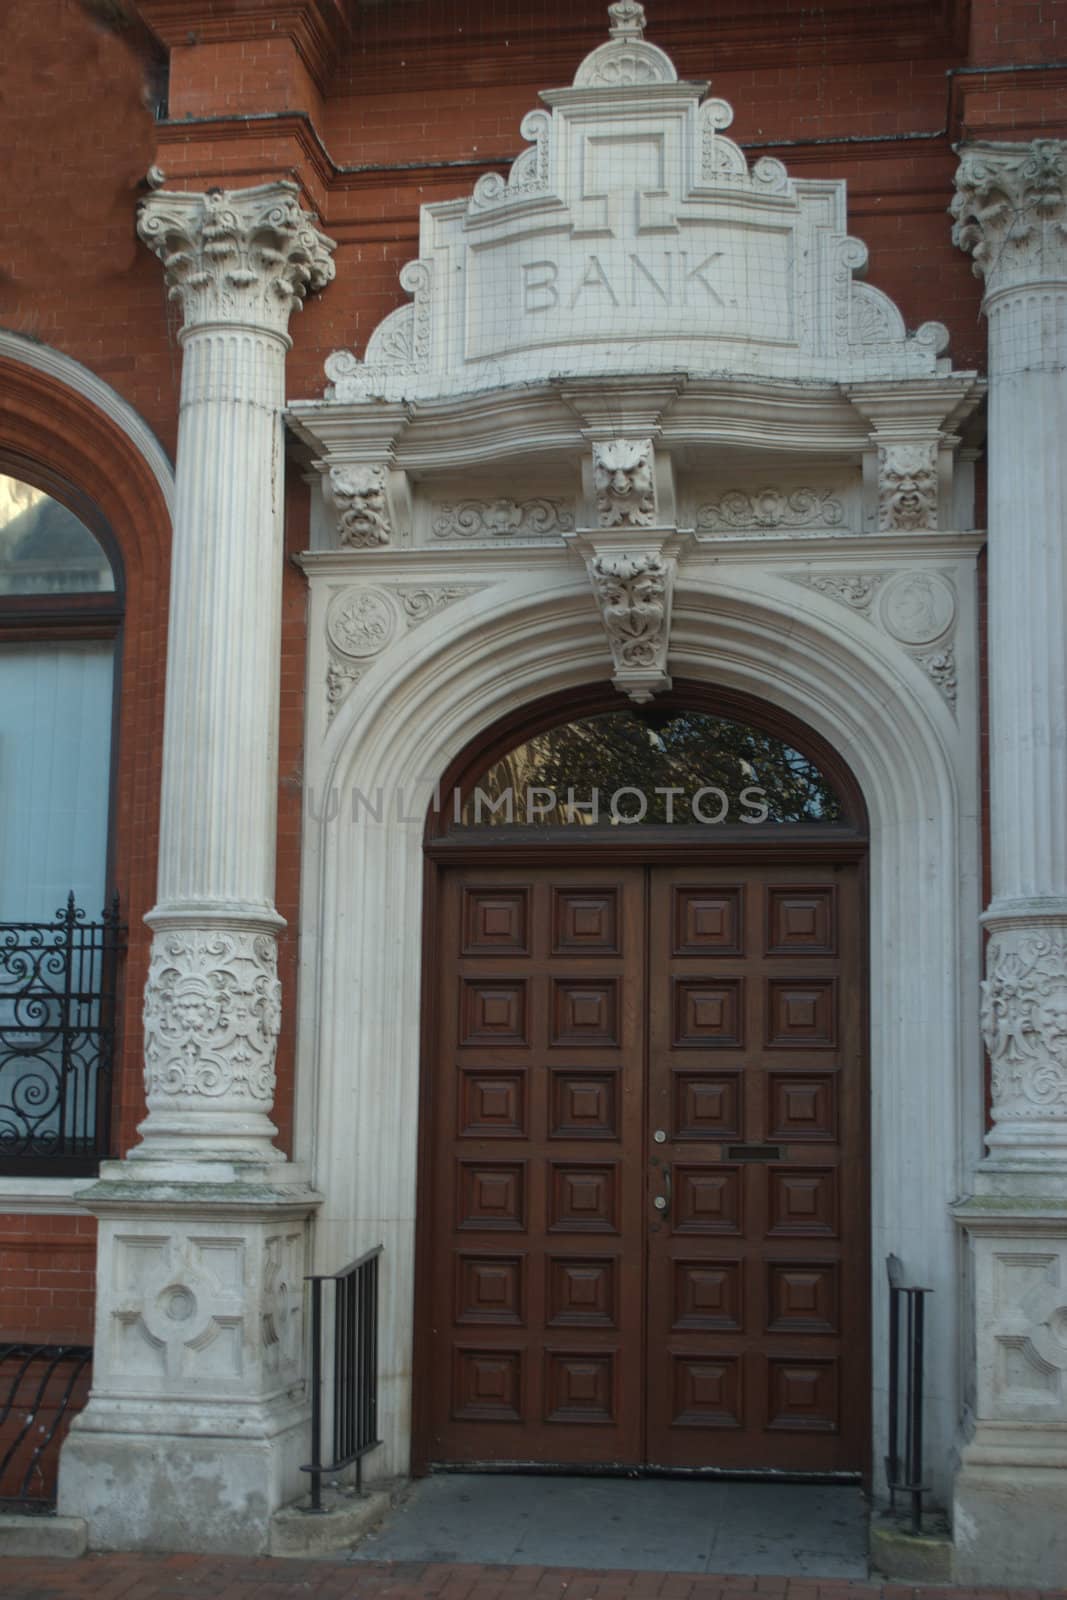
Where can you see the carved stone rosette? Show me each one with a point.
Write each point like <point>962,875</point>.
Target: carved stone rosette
<point>1024,1024</point>
<point>212,1011</point>
<point>237,256</point>
<point>1010,211</point>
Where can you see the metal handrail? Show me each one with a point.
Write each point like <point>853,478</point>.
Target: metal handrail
<point>355,1370</point>
<point>28,1404</point>
<point>905,1475</point>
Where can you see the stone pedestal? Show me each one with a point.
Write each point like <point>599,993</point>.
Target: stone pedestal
<point>1010,1510</point>
<point>196,1426</point>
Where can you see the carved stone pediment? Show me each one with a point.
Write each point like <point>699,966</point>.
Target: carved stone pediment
<point>632,236</point>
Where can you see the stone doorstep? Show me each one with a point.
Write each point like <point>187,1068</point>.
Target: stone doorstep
<point>901,1556</point>
<point>346,1518</point>
<point>36,1534</point>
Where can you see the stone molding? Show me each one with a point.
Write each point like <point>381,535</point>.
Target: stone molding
<point>244,257</point>
<point>1010,212</point>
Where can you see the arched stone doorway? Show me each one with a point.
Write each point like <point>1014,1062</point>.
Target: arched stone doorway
<point>643,1205</point>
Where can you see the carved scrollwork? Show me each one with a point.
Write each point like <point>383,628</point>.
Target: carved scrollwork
<point>1024,1022</point>
<point>212,1011</point>
<point>632,594</point>
<point>501,518</point>
<point>624,483</point>
<point>741,511</point>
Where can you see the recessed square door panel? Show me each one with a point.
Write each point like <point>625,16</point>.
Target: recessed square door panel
<point>493,1011</point>
<point>802,1395</point>
<point>708,1294</point>
<point>706,1199</point>
<point>801,921</point>
<point>802,1296</point>
<point>489,1289</point>
<point>579,1387</point>
<point>491,1195</point>
<point>707,1392</point>
<point>707,922</point>
<point>802,1200</point>
<point>495,921</point>
<point>707,1105</point>
<point>585,922</point>
<point>643,1229</point>
<point>802,1106</point>
<point>582,1291</point>
<point>492,1105</point>
<point>802,1015</point>
<point>583,1105</point>
<point>583,1198</point>
<point>487,1385</point>
<point>708,1013</point>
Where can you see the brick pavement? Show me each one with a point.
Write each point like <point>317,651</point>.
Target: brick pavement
<point>145,1577</point>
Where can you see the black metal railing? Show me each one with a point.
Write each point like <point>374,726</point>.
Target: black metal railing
<point>353,1371</point>
<point>904,1462</point>
<point>41,1387</point>
<point>58,983</point>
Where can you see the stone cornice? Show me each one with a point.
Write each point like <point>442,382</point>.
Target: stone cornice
<point>244,257</point>
<point>1010,212</point>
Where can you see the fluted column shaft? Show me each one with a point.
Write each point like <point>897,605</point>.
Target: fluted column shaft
<point>239,263</point>
<point>1010,213</point>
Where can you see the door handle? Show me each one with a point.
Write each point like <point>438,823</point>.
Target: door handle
<point>662,1202</point>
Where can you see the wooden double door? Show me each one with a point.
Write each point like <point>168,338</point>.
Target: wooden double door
<point>644,1216</point>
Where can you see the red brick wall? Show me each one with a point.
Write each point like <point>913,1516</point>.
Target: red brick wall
<point>47,1270</point>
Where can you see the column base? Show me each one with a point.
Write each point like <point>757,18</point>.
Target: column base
<point>197,1423</point>
<point>1009,1521</point>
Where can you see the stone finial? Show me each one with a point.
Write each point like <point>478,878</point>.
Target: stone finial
<point>1010,211</point>
<point>627,20</point>
<point>241,256</point>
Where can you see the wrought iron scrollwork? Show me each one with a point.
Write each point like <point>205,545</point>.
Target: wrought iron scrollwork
<point>58,983</point>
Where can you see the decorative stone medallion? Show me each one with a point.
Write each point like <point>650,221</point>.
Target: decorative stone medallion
<point>918,607</point>
<point>361,622</point>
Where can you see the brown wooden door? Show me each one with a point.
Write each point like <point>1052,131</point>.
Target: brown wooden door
<point>757,1275</point>
<point>607,1042</point>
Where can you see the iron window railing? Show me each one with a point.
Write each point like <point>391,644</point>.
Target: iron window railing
<point>41,1388</point>
<point>58,985</point>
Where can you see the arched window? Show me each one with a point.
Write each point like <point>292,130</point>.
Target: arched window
<point>661,765</point>
<point>60,614</point>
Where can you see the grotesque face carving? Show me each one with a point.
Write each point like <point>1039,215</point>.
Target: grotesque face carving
<point>624,484</point>
<point>359,494</point>
<point>1052,1020</point>
<point>909,487</point>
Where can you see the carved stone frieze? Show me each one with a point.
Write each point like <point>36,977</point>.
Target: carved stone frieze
<point>740,510</point>
<point>501,518</point>
<point>1010,211</point>
<point>359,495</point>
<point>212,1011</point>
<point>1024,1023</point>
<point>907,486</point>
<point>624,483</point>
<point>244,255</point>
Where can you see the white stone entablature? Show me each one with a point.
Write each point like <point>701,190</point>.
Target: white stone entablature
<point>633,235</point>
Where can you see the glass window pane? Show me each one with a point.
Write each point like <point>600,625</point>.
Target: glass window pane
<point>44,548</point>
<point>620,767</point>
<point>55,773</point>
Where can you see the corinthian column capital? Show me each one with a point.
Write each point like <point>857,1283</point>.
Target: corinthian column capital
<point>245,257</point>
<point>1010,212</point>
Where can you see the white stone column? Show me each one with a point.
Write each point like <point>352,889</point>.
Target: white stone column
<point>196,1426</point>
<point>1011,1491</point>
